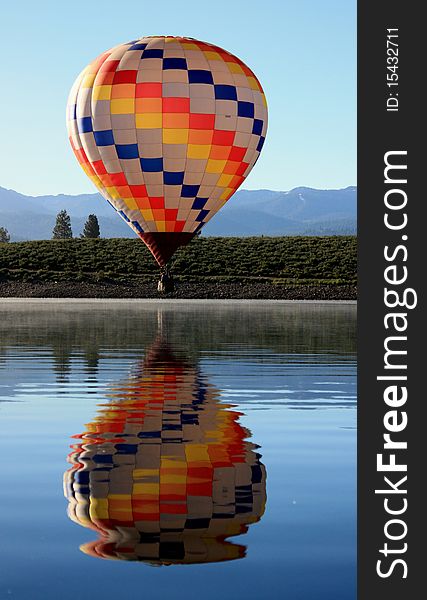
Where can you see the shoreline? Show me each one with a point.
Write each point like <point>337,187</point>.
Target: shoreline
<point>154,301</point>
<point>186,291</point>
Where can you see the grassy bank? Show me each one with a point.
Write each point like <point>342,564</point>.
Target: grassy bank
<point>297,260</point>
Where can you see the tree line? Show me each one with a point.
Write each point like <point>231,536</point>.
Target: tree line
<point>62,229</point>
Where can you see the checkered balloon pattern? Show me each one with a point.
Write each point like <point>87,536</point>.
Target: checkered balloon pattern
<point>167,128</point>
<point>165,473</point>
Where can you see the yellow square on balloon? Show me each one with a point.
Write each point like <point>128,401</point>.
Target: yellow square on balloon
<point>235,68</point>
<point>112,192</point>
<point>147,214</point>
<point>198,150</point>
<point>88,80</point>
<point>210,55</point>
<point>175,136</point>
<point>122,106</point>
<point>131,204</point>
<point>98,508</point>
<point>215,166</point>
<point>224,180</point>
<point>148,121</point>
<point>226,194</point>
<point>101,92</point>
<point>161,225</point>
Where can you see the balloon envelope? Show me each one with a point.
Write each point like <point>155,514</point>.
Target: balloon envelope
<point>167,128</point>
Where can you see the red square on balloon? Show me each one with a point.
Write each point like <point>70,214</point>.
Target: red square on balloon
<point>179,225</point>
<point>223,138</point>
<point>242,168</point>
<point>148,90</point>
<point>176,105</point>
<point>125,76</point>
<point>109,65</point>
<point>118,178</point>
<point>202,121</point>
<point>157,202</point>
<point>138,191</point>
<point>237,153</point>
<point>171,214</point>
<point>99,167</point>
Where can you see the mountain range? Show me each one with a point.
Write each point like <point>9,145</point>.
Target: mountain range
<point>300,211</point>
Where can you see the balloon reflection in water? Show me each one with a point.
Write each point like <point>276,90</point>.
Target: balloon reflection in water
<point>164,473</point>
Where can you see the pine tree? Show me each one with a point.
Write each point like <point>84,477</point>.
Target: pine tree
<point>4,235</point>
<point>62,229</point>
<point>91,228</point>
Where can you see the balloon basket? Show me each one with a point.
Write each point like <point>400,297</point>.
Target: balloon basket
<point>166,284</point>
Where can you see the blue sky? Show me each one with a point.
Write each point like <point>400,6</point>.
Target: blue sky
<point>303,51</point>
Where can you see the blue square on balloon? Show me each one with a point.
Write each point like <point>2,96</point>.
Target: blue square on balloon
<point>202,214</point>
<point>198,228</point>
<point>257,127</point>
<point>260,143</point>
<point>200,76</point>
<point>127,150</point>
<point>152,53</point>
<point>199,203</point>
<point>104,138</point>
<point>225,92</point>
<point>189,191</point>
<point>152,165</point>
<point>137,226</point>
<point>103,458</point>
<point>173,177</point>
<point>174,63</point>
<point>85,125</point>
<point>125,217</point>
<point>81,476</point>
<point>126,448</point>
<point>245,109</point>
<point>138,46</point>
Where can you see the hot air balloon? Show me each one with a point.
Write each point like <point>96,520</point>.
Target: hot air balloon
<point>167,128</point>
<point>165,474</point>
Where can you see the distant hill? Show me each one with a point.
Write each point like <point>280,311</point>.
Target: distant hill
<point>301,211</point>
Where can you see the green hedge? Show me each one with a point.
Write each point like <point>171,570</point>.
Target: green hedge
<point>283,258</point>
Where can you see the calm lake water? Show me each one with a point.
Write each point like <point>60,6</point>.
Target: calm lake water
<point>177,450</point>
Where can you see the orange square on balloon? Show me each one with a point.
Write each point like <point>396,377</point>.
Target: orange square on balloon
<point>236,181</point>
<point>170,226</point>
<point>231,167</point>
<point>200,137</point>
<point>148,105</point>
<point>124,191</point>
<point>221,152</point>
<point>104,78</point>
<point>143,203</point>
<point>158,214</point>
<point>176,120</point>
<point>105,179</point>
<point>123,90</point>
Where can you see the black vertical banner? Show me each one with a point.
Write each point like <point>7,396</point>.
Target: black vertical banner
<point>392,234</point>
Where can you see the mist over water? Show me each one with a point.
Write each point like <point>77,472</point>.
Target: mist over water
<point>214,441</point>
